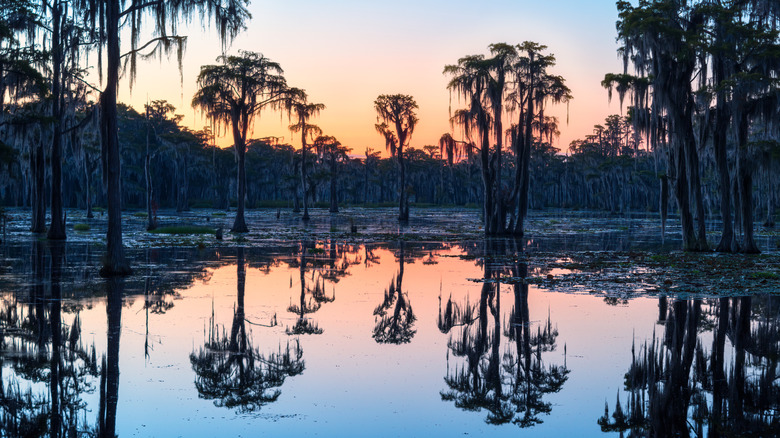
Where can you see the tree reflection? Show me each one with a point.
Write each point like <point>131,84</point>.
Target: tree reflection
<point>510,386</point>
<point>394,317</point>
<point>233,372</point>
<point>311,298</point>
<point>677,388</point>
<point>109,375</point>
<point>40,349</point>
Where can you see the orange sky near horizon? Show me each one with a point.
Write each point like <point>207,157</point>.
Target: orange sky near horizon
<point>346,53</point>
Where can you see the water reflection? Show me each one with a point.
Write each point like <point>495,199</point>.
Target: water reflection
<point>510,386</point>
<point>51,369</point>
<point>312,295</point>
<point>711,370</point>
<point>109,374</point>
<point>232,371</point>
<point>676,387</point>
<point>393,317</point>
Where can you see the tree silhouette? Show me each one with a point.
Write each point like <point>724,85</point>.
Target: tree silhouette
<point>109,19</point>
<point>304,112</point>
<point>452,151</point>
<point>398,116</point>
<point>43,39</point>
<point>157,124</point>
<point>517,75</point>
<point>471,79</point>
<point>703,72</point>
<point>233,94</point>
<point>372,157</point>
<point>330,150</point>
<point>23,89</point>
<point>534,89</point>
<point>67,34</point>
<point>667,55</point>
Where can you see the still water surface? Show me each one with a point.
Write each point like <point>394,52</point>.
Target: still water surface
<point>332,339</point>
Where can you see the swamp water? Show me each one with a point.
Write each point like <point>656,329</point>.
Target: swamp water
<point>327,338</point>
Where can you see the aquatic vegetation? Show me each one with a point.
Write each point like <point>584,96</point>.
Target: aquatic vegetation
<point>765,275</point>
<point>183,229</point>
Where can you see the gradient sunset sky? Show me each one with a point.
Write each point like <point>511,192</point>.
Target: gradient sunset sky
<point>345,53</point>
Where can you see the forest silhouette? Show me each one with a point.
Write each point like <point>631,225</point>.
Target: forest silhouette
<point>699,88</point>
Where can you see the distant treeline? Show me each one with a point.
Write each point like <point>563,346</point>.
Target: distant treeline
<point>606,171</point>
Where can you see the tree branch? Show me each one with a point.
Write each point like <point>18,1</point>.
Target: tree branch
<point>139,7</point>
<point>82,123</point>
<point>150,42</point>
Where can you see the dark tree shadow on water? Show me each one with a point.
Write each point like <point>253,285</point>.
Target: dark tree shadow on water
<point>233,372</point>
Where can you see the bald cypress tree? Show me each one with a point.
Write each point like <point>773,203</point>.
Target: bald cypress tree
<point>704,72</point>
<point>304,111</point>
<point>234,93</point>
<point>396,120</point>
<point>109,19</point>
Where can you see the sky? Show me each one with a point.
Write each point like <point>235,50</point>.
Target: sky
<point>345,53</point>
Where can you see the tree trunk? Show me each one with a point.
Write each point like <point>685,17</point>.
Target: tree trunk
<point>745,186</point>
<point>184,196</point>
<point>88,172</point>
<point>334,196</point>
<point>296,200</point>
<point>770,199</point>
<point>114,262</point>
<point>39,190</point>
<point>728,242</point>
<point>57,227</point>
<point>239,225</point>
<point>177,187</point>
<point>525,183</point>
<point>487,188</point>
<point>692,160</point>
<point>664,207</point>
<point>499,198</point>
<point>680,183</point>
<point>745,175</point>
<point>525,168</point>
<point>303,181</point>
<point>403,201</point>
<point>365,183</point>
<point>151,220</point>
